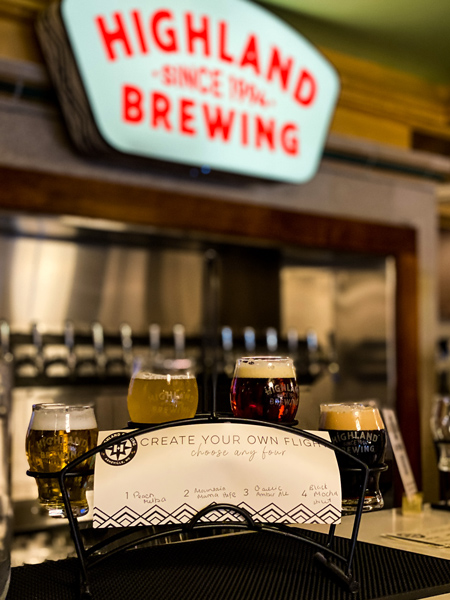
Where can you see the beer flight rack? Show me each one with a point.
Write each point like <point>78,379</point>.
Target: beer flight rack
<point>337,565</point>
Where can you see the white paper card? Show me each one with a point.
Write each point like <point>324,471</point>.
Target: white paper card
<point>167,476</point>
<point>437,536</point>
<point>400,454</point>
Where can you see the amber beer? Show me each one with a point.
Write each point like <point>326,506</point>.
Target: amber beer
<point>58,434</point>
<point>265,388</point>
<point>158,398</point>
<point>359,430</point>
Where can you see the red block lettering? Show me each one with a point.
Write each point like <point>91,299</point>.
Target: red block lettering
<point>186,117</point>
<point>160,111</point>
<point>289,139</point>
<point>250,55</point>
<point>265,132</point>
<point>108,38</point>
<point>223,54</point>
<point>275,65</point>
<point>218,123</point>
<point>168,41</point>
<point>201,34</point>
<point>244,129</point>
<point>132,104</point>
<point>306,89</point>
<point>137,20</point>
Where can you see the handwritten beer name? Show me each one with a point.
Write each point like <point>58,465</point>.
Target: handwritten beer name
<point>185,97</point>
<point>148,497</point>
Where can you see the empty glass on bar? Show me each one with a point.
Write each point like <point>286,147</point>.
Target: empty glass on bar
<point>440,427</point>
<point>159,398</point>
<point>359,430</point>
<point>57,434</point>
<point>265,388</point>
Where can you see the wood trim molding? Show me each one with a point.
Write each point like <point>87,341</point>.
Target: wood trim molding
<point>373,89</point>
<point>45,193</point>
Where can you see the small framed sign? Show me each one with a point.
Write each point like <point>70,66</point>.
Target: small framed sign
<point>221,85</point>
<point>168,475</point>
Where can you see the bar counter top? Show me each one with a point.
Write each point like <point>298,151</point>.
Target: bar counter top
<point>259,566</point>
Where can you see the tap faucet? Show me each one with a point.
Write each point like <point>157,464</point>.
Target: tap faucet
<point>292,342</point>
<point>271,339</point>
<point>179,340</point>
<point>154,331</point>
<point>249,339</point>
<point>127,346</point>
<point>227,347</point>
<point>69,343</point>
<point>39,347</point>
<point>98,342</point>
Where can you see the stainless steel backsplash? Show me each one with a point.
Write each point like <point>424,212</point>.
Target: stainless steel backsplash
<point>334,313</point>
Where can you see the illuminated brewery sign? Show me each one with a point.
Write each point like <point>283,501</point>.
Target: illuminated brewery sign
<point>221,84</point>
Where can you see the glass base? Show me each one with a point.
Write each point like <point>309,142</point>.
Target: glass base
<point>58,511</point>
<point>349,506</point>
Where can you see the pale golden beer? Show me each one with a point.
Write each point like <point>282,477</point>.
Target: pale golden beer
<point>359,430</point>
<point>156,398</point>
<point>58,434</point>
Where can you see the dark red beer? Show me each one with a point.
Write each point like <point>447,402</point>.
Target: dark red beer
<point>265,388</point>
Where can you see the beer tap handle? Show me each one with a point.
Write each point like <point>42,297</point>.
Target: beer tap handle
<point>5,338</point>
<point>69,343</point>
<point>154,331</point>
<point>38,345</point>
<point>312,345</point>
<point>312,342</point>
<point>179,338</point>
<point>127,344</point>
<point>69,336</point>
<point>98,341</point>
<point>227,347</point>
<point>249,339</point>
<point>227,339</point>
<point>333,364</point>
<point>6,369</point>
<point>292,341</point>
<point>271,339</point>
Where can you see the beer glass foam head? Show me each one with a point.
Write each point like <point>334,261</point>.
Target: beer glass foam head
<point>351,416</point>
<point>262,367</point>
<point>59,417</point>
<point>147,375</point>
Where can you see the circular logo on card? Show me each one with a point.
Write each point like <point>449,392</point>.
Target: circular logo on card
<point>119,453</point>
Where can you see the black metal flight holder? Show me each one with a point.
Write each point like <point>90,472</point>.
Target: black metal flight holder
<point>89,557</point>
<point>73,521</point>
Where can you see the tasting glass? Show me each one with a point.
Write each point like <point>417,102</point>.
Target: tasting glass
<point>163,394</point>
<point>57,434</point>
<point>359,430</point>
<point>440,427</point>
<point>265,388</point>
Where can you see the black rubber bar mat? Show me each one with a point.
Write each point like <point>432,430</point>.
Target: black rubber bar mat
<point>259,566</point>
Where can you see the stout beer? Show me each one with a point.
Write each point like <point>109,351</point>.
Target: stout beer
<point>155,398</point>
<point>359,430</point>
<point>265,388</point>
<point>58,434</point>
